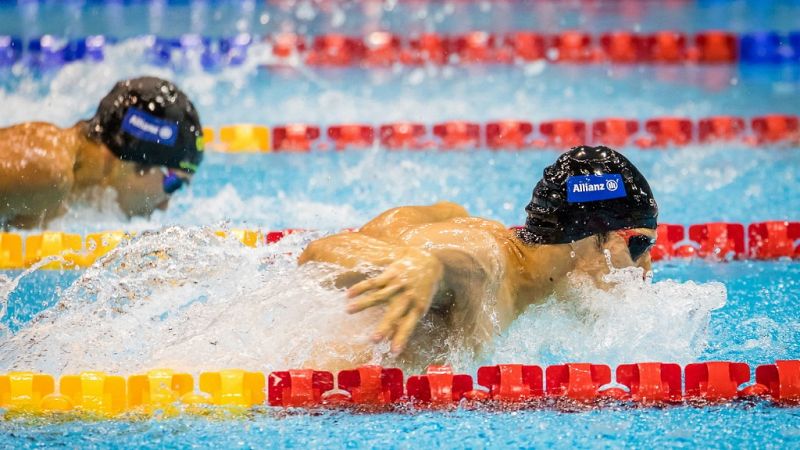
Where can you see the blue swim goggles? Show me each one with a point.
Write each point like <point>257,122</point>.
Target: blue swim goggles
<point>172,180</point>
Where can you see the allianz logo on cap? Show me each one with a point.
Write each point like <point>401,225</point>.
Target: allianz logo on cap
<point>147,127</point>
<point>591,188</point>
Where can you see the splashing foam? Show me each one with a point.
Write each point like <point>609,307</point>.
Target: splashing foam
<point>185,299</point>
<point>227,205</point>
<point>631,322</point>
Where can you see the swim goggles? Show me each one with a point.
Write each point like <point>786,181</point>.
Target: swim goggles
<point>172,180</point>
<point>638,243</point>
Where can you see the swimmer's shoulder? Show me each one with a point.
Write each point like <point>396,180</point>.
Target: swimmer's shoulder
<point>488,225</point>
<point>40,153</point>
<point>31,129</point>
<point>42,136</point>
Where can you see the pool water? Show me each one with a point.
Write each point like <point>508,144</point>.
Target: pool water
<point>252,303</point>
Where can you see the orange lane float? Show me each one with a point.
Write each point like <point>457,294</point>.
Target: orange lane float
<point>243,138</point>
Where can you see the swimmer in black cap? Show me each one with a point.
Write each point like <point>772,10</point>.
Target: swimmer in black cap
<point>145,141</point>
<point>591,210</point>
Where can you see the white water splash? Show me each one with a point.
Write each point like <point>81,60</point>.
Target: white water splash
<point>184,299</point>
<point>632,322</point>
<point>227,206</point>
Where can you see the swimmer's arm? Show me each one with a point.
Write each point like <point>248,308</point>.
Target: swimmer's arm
<point>352,250</point>
<point>438,258</point>
<point>410,280</point>
<point>390,224</point>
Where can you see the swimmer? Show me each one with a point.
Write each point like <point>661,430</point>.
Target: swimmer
<point>472,276</point>
<point>145,141</point>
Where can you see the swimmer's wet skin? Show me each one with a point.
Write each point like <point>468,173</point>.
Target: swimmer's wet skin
<point>591,207</point>
<point>145,142</point>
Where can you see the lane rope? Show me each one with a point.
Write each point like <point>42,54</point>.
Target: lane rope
<point>770,130</point>
<point>715,241</point>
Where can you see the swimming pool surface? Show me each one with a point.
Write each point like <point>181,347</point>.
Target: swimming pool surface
<point>261,312</point>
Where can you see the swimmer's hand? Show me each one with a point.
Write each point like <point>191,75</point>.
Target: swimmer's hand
<point>407,286</point>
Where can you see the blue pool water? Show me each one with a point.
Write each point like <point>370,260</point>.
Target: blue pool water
<point>252,303</point>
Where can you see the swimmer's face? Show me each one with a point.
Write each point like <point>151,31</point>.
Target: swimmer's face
<point>140,188</point>
<point>630,248</point>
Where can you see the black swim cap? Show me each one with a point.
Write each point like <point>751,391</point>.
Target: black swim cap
<point>588,190</point>
<point>150,121</point>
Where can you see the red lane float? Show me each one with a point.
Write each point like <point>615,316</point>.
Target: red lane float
<point>526,46</point>
<point>719,240</point>
<point>720,128</point>
<point>614,132</point>
<point>577,381</point>
<point>403,135</point>
<point>372,385</point>
<point>512,382</point>
<point>275,236</point>
<point>781,380</point>
<point>776,128</point>
<point>458,135</point>
<point>665,47</point>
<point>285,45</point>
<point>667,131</point>
<point>562,134</point>
<point>438,386</point>
<point>294,137</point>
<point>773,240</point>
<point>476,47</point>
<point>716,47</point>
<point>428,48</point>
<point>669,235</point>
<point>381,49</point>
<point>622,47</point>
<point>336,50</point>
<point>651,382</point>
<point>302,387</point>
<point>508,134</point>
<point>351,136</point>
<point>572,47</point>
<point>715,381</point>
